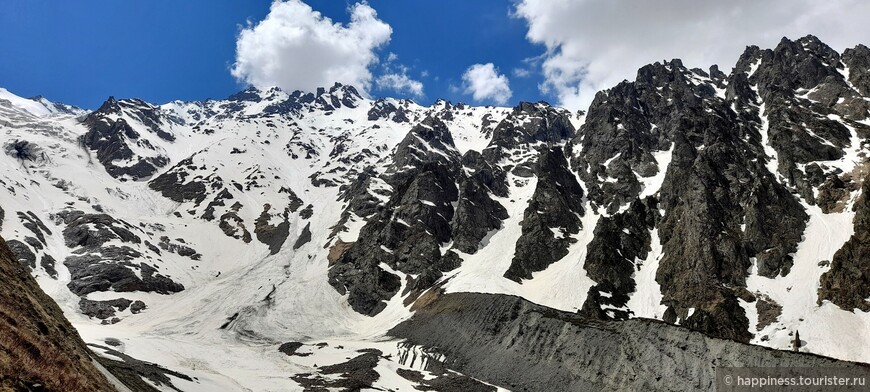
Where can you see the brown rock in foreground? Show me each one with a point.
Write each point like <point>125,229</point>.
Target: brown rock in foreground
<point>39,348</point>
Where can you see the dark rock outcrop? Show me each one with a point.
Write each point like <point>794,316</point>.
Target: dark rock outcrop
<point>386,109</point>
<point>858,61</point>
<point>134,372</point>
<point>620,243</point>
<point>406,233</point>
<point>720,204</point>
<point>90,273</point>
<point>529,123</point>
<point>356,374</point>
<point>298,103</point>
<point>22,254</point>
<point>175,185</point>
<point>477,214</point>
<point>804,130</point>
<point>272,235</point>
<point>111,138</point>
<point>847,283</point>
<point>768,312</point>
<point>106,309</point>
<point>96,265</point>
<point>178,248</point>
<point>92,231</point>
<point>553,215</point>
<point>24,150</point>
<point>304,237</point>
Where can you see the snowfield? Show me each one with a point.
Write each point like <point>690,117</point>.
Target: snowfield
<point>241,302</point>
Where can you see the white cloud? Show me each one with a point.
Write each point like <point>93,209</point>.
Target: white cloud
<point>400,82</point>
<point>394,77</point>
<point>297,48</point>
<point>521,73</point>
<point>484,82</point>
<point>594,44</point>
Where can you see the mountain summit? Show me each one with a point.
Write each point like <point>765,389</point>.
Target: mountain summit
<point>293,240</point>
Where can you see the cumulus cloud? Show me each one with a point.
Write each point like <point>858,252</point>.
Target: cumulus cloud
<point>297,48</point>
<point>484,82</point>
<point>401,83</point>
<point>594,44</point>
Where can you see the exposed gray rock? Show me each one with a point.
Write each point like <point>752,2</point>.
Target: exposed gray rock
<point>408,232</point>
<point>428,142</point>
<point>304,237</point>
<point>406,235</point>
<point>619,242</point>
<point>92,231</point>
<point>553,215</point>
<point>273,236</point>
<point>234,226</point>
<point>103,309</point>
<point>529,123</point>
<point>47,262</point>
<point>133,372</point>
<point>307,212</point>
<point>803,65</point>
<point>356,374</point>
<point>477,214</point>
<point>112,270</point>
<point>111,139</point>
<point>447,382</point>
<point>384,109</point>
<point>721,206</point>
<point>858,61</point>
<point>834,193</point>
<point>847,283</point>
<point>35,225</point>
<point>174,184</point>
<point>24,150</point>
<point>768,312</point>
<point>22,253</point>
<point>290,348</point>
<point>179,249</point>
<point>517,345</point>
<point>96,266</point>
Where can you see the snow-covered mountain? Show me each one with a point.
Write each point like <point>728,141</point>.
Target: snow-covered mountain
<point>204,236</point>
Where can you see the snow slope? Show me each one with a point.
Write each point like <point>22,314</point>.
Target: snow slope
<point>241,301</point>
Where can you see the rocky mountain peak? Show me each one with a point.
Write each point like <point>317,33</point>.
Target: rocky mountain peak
<point>109,106</point>
<point>530,123</point>
<point>348,95</point>
<point>250,94</point>
<point>857,61</point>
<point>430,141</point>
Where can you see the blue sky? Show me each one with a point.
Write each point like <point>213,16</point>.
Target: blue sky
<point>161,50</point>
<point>80,52</point>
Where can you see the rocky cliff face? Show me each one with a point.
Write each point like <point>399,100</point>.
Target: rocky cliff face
<point>552,216</point>
<point>113,140</point>
<point>847,284</point>
<point>743,153</point>
<point>39,349</point>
